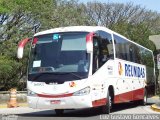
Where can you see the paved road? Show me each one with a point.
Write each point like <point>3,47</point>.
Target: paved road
<point>25,113</point>
<point>85,114</point>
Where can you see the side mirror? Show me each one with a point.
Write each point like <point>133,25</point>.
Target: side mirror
<point>21,46</point>
<point>89,42</point>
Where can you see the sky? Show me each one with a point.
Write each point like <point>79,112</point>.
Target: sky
<point>153,5</point>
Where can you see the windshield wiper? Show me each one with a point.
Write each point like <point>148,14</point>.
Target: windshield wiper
<point>55,73</point>
<point>40,74</point>
<point>75,75</point>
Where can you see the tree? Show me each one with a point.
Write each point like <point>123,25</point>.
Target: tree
<point>21,18</point>
<point>132,21</point>
<point>16,23</point>
<point>18,18</point>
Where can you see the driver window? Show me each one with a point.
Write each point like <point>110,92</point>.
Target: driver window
<point>95,54</point>
<point>102,49</point>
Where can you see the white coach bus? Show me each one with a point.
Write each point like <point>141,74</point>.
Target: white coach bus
<point>86,66</point>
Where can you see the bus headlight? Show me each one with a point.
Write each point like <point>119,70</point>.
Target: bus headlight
<point>31,93</point>
<point>84,91</point>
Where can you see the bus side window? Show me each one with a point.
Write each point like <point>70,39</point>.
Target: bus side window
<point>102,49</point>
<point>131,53</point>
<point>95,54</point>
<point>137,55</point>
<point>122,47</point>
<point>134,52</point>
<point>106,47</point>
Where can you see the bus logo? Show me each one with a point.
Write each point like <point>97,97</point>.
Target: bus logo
<point>134,71</point>
<point>72,84</point>
<point>120,69</point>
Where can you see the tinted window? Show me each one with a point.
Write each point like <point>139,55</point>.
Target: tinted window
<point>102,49</point>
<point>123,48</point>
<point>147,59</point>
<point>59,53</point>
<point>134,53</point>
<point>106,45</point>
<point>127,50</point>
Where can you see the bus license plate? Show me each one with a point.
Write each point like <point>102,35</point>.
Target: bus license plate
<point>55,101</point>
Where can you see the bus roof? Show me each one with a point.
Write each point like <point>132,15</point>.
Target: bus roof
<point>74,28</point>
<point>84,29</point>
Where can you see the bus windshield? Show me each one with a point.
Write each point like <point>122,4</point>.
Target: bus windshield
<point>59,54</point>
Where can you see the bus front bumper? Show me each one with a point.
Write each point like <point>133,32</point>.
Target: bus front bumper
<point>72,102</point>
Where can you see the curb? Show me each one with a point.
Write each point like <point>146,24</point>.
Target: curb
<point>155,97</point>
<point>155,108</point>
<point>19,105</point>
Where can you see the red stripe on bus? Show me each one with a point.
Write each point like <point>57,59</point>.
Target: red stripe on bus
<point>99,102</point>
<point>55,96</point>
<point>130,96</point>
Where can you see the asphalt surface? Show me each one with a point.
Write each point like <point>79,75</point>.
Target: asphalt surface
<point>25,113</point>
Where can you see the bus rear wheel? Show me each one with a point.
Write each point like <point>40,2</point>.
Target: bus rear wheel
<point>144,100</point>
<point>59,111</point>
<point>106,108</point>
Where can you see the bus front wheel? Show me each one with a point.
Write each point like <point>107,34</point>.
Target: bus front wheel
<point>106,108</point>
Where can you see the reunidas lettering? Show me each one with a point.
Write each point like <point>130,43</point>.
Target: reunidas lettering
<point>134,71</point>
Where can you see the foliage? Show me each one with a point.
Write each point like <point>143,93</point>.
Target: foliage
<point>138,33</point>
<point>8,72</point>
<point>22,18</point>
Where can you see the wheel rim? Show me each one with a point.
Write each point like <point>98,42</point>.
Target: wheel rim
<point>145,98</point>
